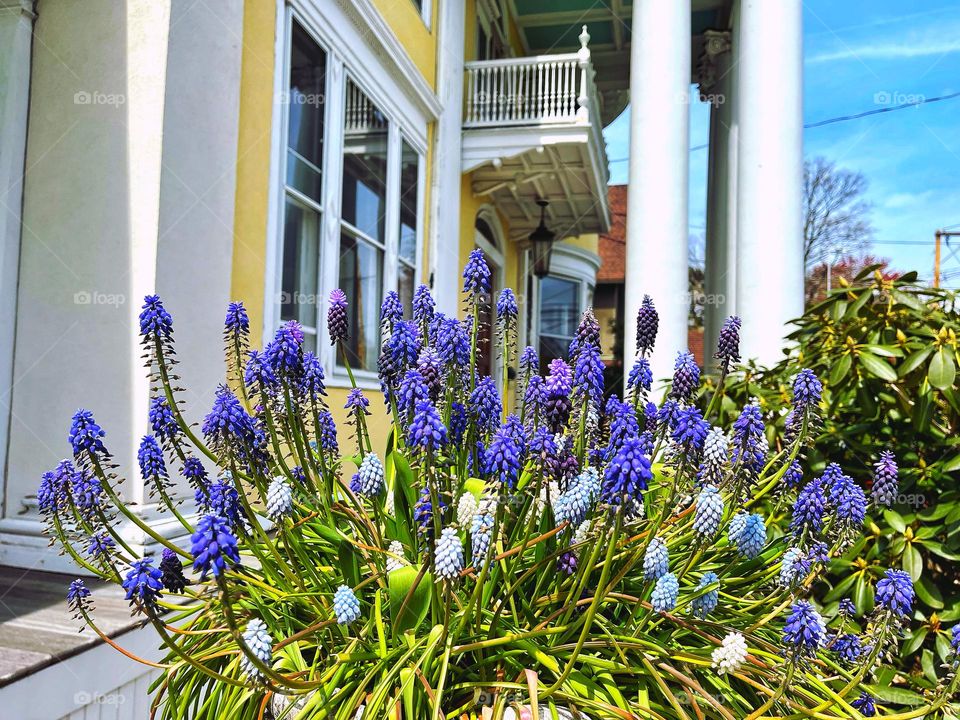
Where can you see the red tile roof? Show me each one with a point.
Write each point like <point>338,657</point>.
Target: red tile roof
<point>613,245</point>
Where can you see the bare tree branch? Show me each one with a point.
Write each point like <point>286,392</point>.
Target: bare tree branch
<point>836,217</point>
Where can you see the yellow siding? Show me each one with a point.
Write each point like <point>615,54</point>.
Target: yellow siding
<point>420,42</point>
<point>253,157</point>
<point>589,242</point>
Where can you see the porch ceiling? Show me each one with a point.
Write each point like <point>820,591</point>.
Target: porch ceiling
<point>552,26</point>
<point>564,173</point>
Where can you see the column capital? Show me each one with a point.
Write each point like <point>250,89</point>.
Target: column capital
<point>715,44</point>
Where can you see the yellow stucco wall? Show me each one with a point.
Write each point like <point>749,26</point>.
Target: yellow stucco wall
<point>419,41</point>
<point>253,157</point>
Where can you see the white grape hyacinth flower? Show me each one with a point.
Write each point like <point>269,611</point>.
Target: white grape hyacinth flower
<point>467,507</point>
<point>396,548</point>
<point>731,654</point>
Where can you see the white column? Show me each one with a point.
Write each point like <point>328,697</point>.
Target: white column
<point>16,32</point>
<point>720,273</point>
<point>130,189</point>
<point>447,168</point>
<point>656,262</point>
<point>770,243</point>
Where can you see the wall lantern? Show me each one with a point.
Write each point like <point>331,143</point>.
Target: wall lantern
<point>541,240</point>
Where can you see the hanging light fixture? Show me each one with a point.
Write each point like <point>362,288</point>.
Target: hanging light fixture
<point>541,241</point>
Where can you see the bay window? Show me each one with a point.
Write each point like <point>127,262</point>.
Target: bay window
<point>349,211</point>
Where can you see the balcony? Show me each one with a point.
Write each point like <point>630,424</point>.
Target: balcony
<point>533,129</point>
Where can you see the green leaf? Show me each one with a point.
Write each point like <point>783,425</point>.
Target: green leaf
<point>929,593</point>
<point>915,361</point>
<point>840,369</point>
<point>349,564</point>
<point>894,520</point>
<point>877,367</point>
<point>942,369</point>
<point>399,582</point>
<point>926,662</point>
<point>895,695</point>
<point>952,465</point>
<point>912,561</point>
<point>943,647</point>
<point>888,351</point>
<point>913,642</point>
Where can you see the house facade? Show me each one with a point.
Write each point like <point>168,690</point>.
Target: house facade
<point>270,151</point>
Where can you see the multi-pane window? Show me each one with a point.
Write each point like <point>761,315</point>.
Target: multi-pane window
<point>352,185</point>
<point>302,197</point>
<point>363,217</point>
<point>559,315</point>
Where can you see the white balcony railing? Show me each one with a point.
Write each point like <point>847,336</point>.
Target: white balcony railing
<point>545,89</point>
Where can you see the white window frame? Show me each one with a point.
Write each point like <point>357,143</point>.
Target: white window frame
<point>348,55</point>
<point>572,264</point>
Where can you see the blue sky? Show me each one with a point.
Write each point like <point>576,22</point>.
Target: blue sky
<point>862,55</point>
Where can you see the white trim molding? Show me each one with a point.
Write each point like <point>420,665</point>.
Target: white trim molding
<point>379,37</point>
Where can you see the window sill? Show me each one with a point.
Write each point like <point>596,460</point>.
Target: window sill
<point>339,380</point>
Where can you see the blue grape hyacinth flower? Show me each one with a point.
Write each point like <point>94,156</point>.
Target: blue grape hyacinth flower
<point>627,475</point>
<point>686,376</point>
<point>665,592</point>
<point>709,512</point>
<point>752,537</point>
<point>143,583</point>
<point>895,592</point>
<point>476,274</point>
<point>886,483</point>
<point>865,704</point>
<point>647,325</point>
<point>656,560</point>
<point>704,604</point>
<point>85,434</point>
<point>213,546</point>
<point>804,632</point>
<point>346,605</point>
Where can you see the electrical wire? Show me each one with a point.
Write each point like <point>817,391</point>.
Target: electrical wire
<point>845,118</point>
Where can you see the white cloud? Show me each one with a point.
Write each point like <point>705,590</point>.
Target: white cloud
<point>897,50</point>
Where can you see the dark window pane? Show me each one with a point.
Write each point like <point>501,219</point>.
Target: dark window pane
<point>299,275</point>
<point>405,286</point>
<point>559,306</point>
<point>364,165</point>
<point>552,348</point>
<point>361,278</point>
<point>409,176</point>
<point>308,72</point>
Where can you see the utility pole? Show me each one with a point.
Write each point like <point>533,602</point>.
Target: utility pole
<point>940,235</point>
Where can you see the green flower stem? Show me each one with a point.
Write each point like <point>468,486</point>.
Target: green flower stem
<point>788,675</point>
<point>133,517</point>
<point>592,610</point>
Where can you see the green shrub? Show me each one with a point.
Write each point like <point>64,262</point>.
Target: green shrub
<point>887,353</point>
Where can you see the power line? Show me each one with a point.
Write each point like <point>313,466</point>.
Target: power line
<point>878,111</point>
<point>845,118</point>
